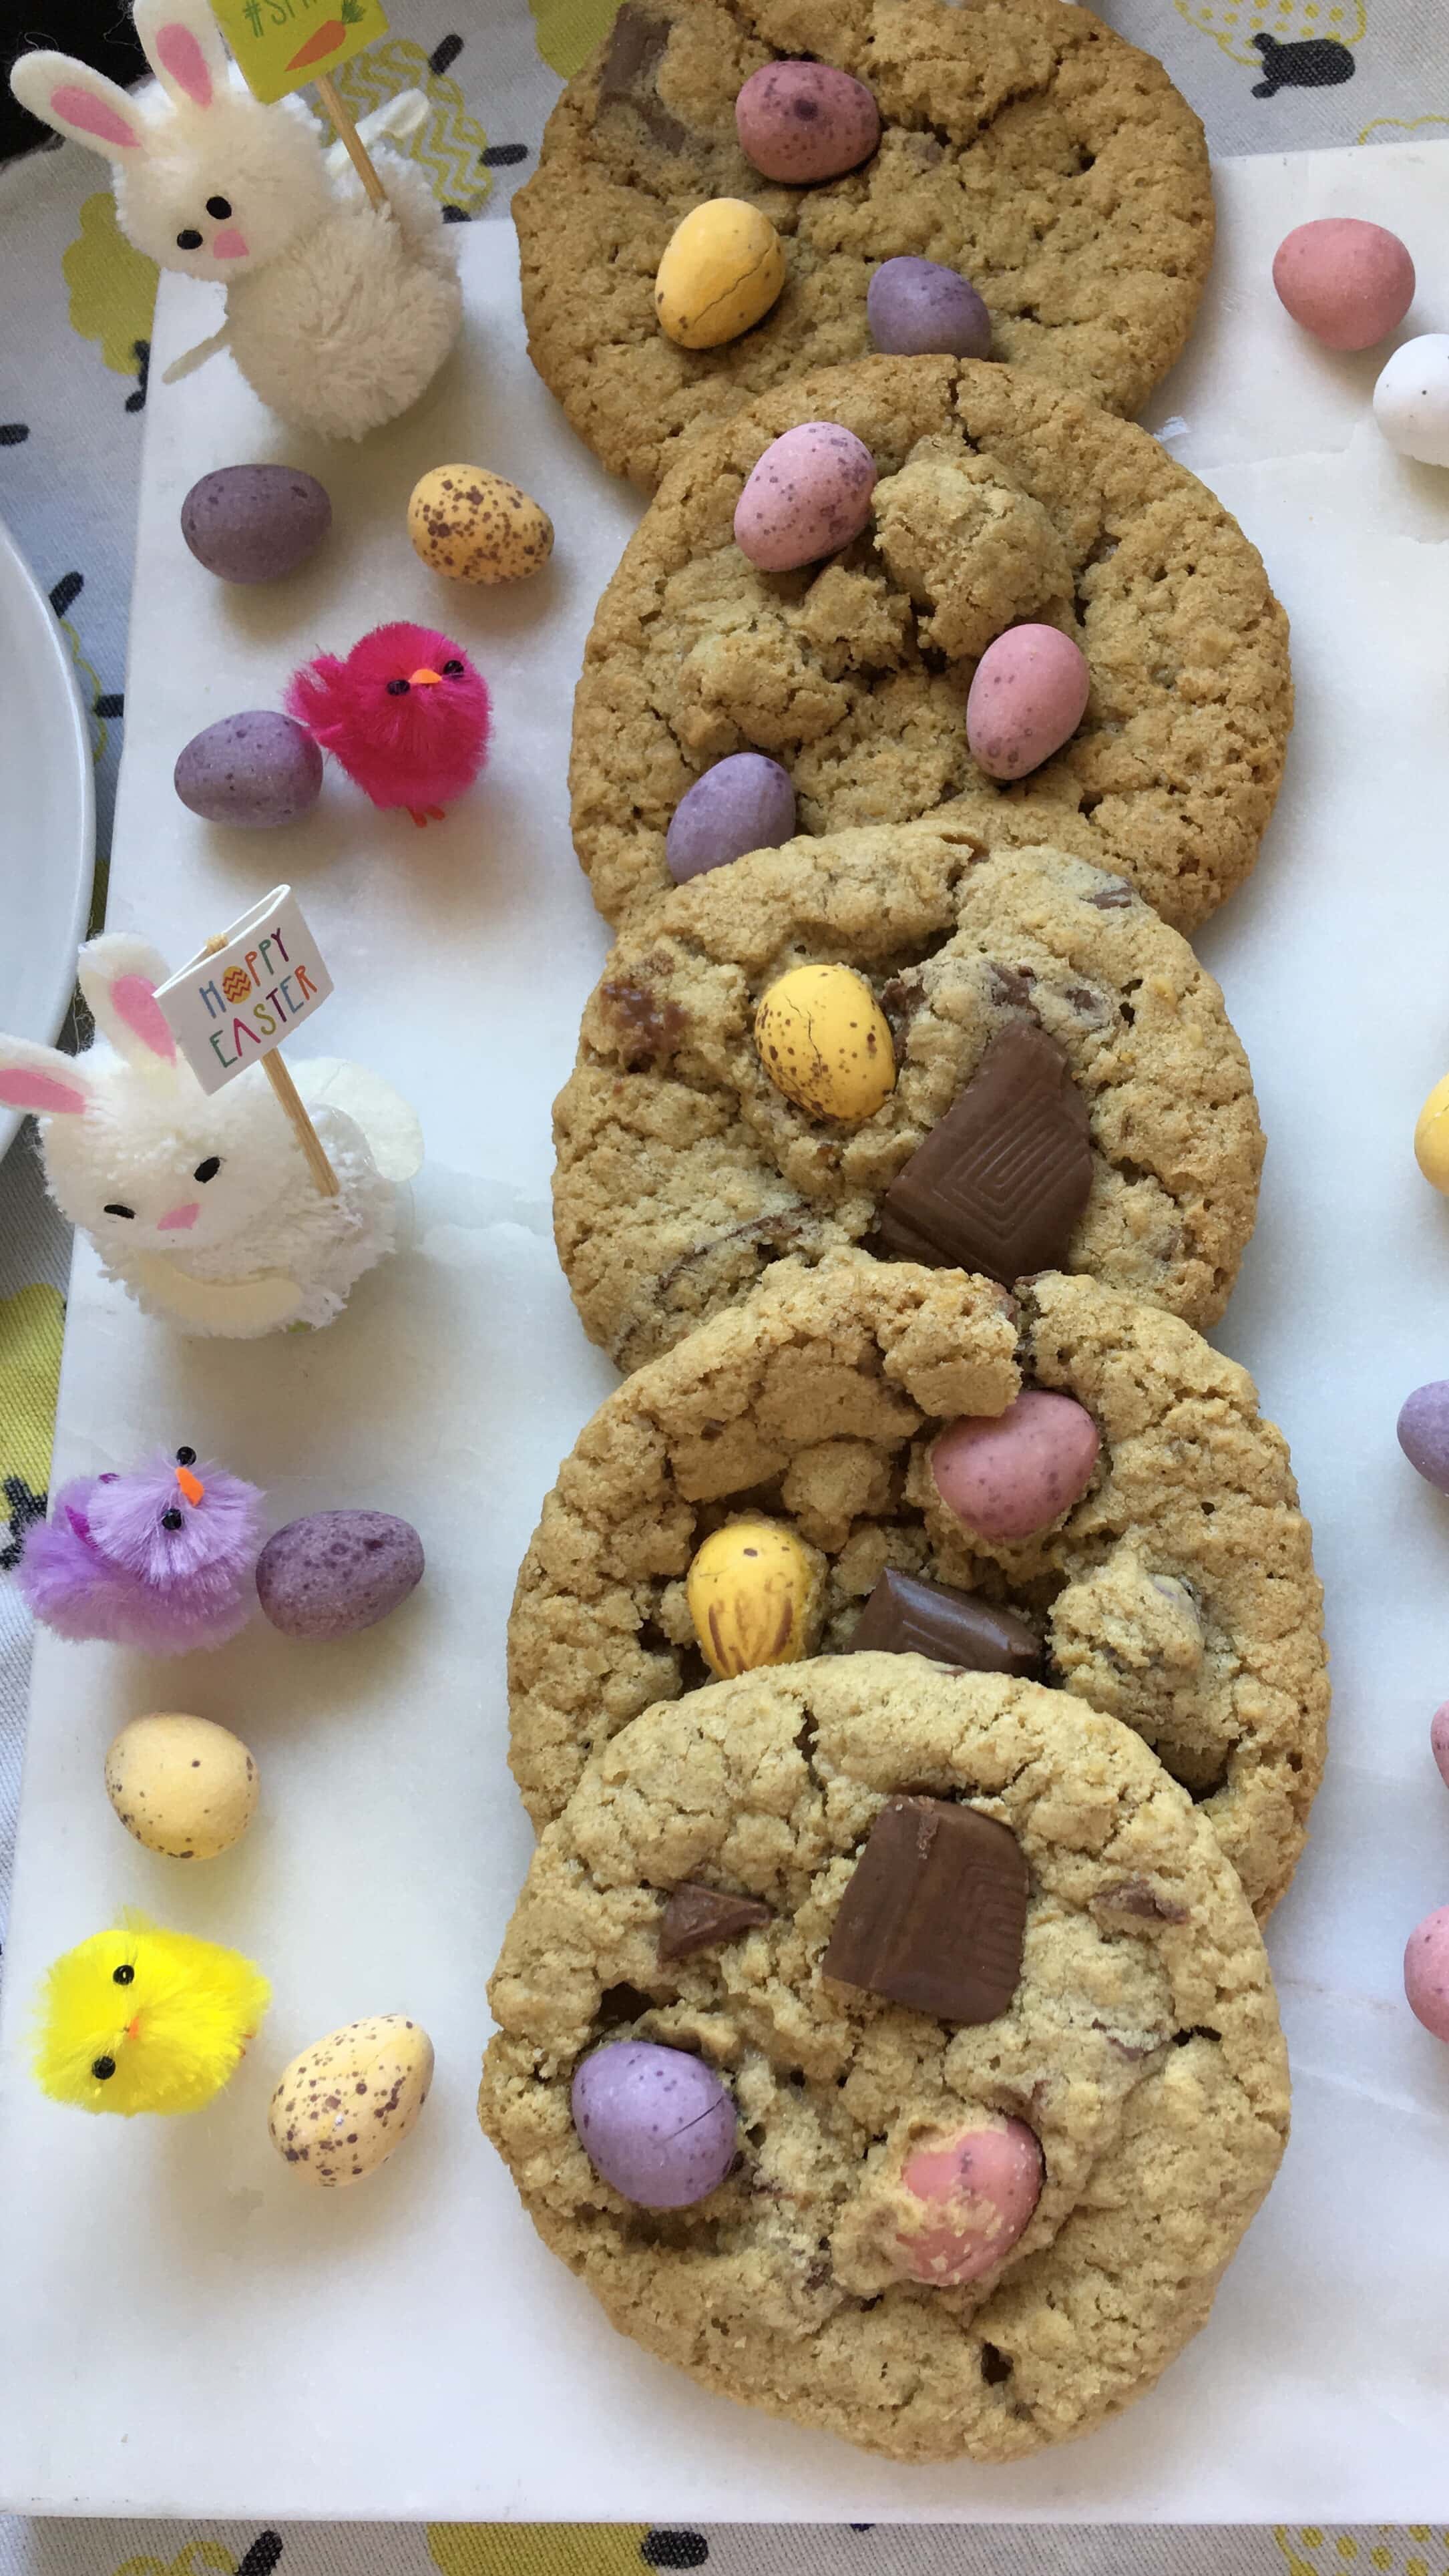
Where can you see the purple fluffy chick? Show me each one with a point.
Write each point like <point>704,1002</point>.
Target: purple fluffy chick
<point>134,1559</point>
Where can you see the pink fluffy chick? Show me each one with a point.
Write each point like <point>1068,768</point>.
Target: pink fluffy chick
<point>406,715</point>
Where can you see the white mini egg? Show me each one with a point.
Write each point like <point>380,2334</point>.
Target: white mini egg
<point>351,2098</point>
<point>182,1785</point>
<point>1411,399</point>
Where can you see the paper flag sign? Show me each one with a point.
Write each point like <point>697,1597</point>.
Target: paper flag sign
<point>283,44</point>
<point>229,1009</point>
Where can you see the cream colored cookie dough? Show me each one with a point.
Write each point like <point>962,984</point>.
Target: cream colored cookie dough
<point>1141,2047</point>
<point>1023,144</point>
<point>1000,501</point>
<point>683,1170</point>
<point>1178,1594</point>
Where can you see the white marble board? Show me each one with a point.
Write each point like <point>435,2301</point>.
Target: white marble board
<point>187,2330</point>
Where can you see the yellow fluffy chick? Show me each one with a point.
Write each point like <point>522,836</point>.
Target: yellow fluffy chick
<point>145,2020</point>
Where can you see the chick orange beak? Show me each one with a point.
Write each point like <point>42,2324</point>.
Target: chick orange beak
<point>424,679</point>
<point>191,1486</point>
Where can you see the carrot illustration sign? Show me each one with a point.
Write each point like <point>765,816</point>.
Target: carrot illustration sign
<point>282,44</point>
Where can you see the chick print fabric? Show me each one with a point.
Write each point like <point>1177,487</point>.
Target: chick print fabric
<point>76,301</point>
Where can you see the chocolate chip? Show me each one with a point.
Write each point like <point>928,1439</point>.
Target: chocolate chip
<point>906,1616</point>
<point>934,1916</point>
<point>1011,986</point>
<point>696,1918</point>
<point>999,1183</point>
<point>1136,1896</point>
<point>1114,897</point>
<point>649,1026</point>
<point>631,71</point>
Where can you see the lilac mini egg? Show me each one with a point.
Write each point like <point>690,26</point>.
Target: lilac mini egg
<point>745,802</point>
<point>656,2123</point>
<point>256,770</point>
<point>916,308</point>
<point>1424,1432</point>
<point>804,121</point>
<point>808,495</point>
<point>1028,697</point>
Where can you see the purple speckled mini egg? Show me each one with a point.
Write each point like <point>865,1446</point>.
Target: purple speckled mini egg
<point>656,2123</point>
<point>809,494</point>
<point>255,522</point>
<point>1424,1432</point>
<point>256,770</point>
<point>917,308</point>
<point>330,1573</point>
<point>745,802</point>
<point>801,121</point>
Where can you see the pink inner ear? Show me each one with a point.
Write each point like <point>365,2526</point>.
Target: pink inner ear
<point>134,1001</point>
<point>178,52</point>
<point>93,115</point>
<point>42,1092</point>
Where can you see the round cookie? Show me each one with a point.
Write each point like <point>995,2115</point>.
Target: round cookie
<point>1023,145</point>
<point>683,1172</point>
<point>1178,1594</point>
<point>1140,2048</point>
<point>1000,501</point>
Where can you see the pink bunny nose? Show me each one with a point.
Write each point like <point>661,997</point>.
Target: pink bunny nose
<point>229,244</point>
<point>177,1220</point>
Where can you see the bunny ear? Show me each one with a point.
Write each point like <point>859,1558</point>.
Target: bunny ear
<point>184,49</point>
<point>41,1079</point>
<point>118,977</point>
<point>79,103</point>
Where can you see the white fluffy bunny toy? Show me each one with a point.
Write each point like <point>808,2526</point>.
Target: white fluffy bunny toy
<point>205,1208</point>
<point>339,314</point>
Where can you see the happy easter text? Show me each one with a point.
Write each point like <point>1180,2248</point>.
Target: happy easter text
<point>279,1005</point>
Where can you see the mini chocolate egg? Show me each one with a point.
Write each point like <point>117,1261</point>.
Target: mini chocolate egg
<point>808,495</point>
<point>182,1785</point>
<point>255,522</point>
<point>1423,1430</point>
<point>1411,399</point>
<point>1439,1740</point>
<point>1010,1474</point>
<point>255,770</point>
<point>657,2123</point>
<point>965,2196</point>
<point>471,525</point>
<point>347,2102</point>
<point>799,121</point>
<point>754,1592</point>
<point>1426,1972</point>
<point>746,802</point>
<point>1027,697</point>
<point>1348,282</point>
<point>917,308</point>
<point>826,1043</point>
<point>1431,1137</point>
<point>722,270</point>
<point>331,1573</point>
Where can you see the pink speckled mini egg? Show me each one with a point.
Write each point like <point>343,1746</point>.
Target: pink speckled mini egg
<point>809,494</point>
<point>1027,698</point>
<point>1348,282</point>
<point>803,121</point>
<point>1426,1972</point>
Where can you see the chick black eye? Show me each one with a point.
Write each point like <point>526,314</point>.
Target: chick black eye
<point>123,1976</point>
<point>103,2068</point>
<point>114,1208</point>
<point>397,688</point>
<point>220,207</point>
<point>171,1519</point>
<point>452,670</point>
<point>186,1457</point>
<point>189,240</point>
<point>207,1171</point>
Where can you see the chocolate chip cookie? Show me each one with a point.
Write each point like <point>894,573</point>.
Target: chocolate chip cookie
<point>968,2224</point>
<point>999,500</point>
<point>684,1171</point>
<point>1023,145</point>
<point>1177,1593</point>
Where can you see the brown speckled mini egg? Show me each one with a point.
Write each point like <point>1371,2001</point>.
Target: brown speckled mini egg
<point>473,526</point>
<point>182,1785</point>
<point>348,2100</point>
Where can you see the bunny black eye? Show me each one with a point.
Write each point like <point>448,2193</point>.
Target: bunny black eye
<point>186,1457</point>
<point>123,1976</point>
<point>103,2068</point>
<point>171,1519</point>
<point>452,670</point>
<point>398,688</point>
<point>220,207</point>
<point>113,1208</point>
<point>189,240</point>
<point>208,1170</point>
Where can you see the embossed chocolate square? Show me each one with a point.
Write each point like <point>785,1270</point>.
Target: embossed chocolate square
<point>907,1616</point>
<point>999,1183</point>
<point>934,1916</point>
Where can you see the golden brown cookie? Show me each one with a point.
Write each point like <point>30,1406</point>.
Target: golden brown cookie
<point>1000,501</point>
<point>1140,2049</point>
<point>683,1171</point>
<point>1178,1594</point>
<point>1023,144</point>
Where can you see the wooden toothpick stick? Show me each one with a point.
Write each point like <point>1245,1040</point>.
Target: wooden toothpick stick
<point>356,149</point>
<point>291,1101</point>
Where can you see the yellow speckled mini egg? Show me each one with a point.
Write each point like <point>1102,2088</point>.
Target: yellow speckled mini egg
<point>473,526</point>
<point>826,1044</point>
<point>722,270</point>
<point>754,1592</point>
<point>342,2107</point>
<point>182,1785</point>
